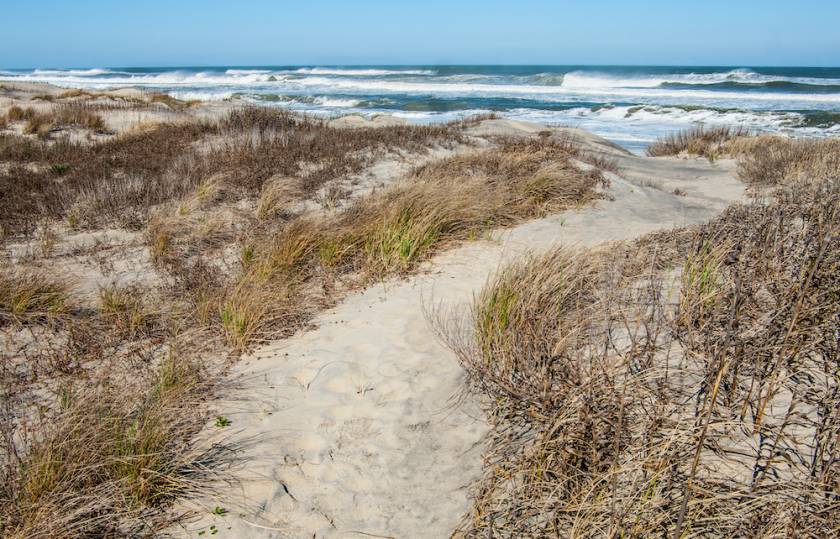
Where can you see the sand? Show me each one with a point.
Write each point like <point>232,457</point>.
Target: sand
<point>354,428</point>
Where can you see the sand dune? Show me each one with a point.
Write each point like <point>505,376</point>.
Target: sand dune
<point>355,428</point>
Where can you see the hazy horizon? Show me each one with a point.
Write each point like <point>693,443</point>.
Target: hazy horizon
<point>398,65</point>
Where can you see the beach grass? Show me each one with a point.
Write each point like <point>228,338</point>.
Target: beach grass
<point>241,232</point>
<point>702,141</point>
<point>621,410</point>
<point>240,229</point>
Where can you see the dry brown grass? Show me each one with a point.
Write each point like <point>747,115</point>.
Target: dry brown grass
<point>278,197</point>
<point>702,141</point>
<point>763,161</point>
<point>172,102</point>
<point>101,411</point>
<point>20,114</point>
<point>64,116</point>
<point>118,181</point>
<point>31,295</point>
<point>106,460</point>
<point>619,410</point>
<point>130,310</point>
<point>770,161</point>
<point>394,230</point>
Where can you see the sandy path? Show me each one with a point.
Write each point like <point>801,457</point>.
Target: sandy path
<point>356,431</point>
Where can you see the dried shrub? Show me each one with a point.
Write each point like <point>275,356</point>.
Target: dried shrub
<point>770,161</point>
<point>27,295</point>
<point>118,180</point>
<point>39,125</point>
<point>19,114</point>
<point>702,141</point>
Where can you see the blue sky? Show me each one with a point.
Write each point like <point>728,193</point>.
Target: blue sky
<point>86,33</point>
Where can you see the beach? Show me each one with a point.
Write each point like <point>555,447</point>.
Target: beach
<point>279,317</point>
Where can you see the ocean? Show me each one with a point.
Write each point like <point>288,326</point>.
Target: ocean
<point>628,105</point>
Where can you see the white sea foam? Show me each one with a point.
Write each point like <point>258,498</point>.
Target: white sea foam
<point>594,80</point>
<point>71,72</point>
<point>721,98</point>
<point>336,102</point>
<point>247,71</point>
<point>349,72</point>
<point>202,96</point>
<point>574,86</point>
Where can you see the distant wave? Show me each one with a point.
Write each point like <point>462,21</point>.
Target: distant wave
<point>350,72</point>
<point>774,85</point>
<point>552,92</point>
<point>337,102</point>
<point>71,72</point>
<point>743,77</point>
<point>247,71</point>
<point>578,86</point>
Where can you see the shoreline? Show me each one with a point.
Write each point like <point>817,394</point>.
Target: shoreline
<point>332,92</point>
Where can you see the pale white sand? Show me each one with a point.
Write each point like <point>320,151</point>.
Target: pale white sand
<point>352,429</point>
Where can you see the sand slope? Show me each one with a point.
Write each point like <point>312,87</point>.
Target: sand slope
<point>352,427</point>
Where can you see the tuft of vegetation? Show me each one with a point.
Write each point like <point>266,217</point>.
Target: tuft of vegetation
<point>703,141</point>
<point>107,460</point>
<point>128,309</point>
<point>26,295</point>
<point>172,102</point>
<point>64,116</point>
<point>770,161</point>
<point>19,114</point>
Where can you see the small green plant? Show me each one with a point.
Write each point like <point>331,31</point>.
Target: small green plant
<point>73,218</point>
<point>400,243</point>
<point>219,512</point>
<point>161,245</point>
<point>59,169</point>
<point>126,308</point>
<point>222,421</point>
<point>246,255</point>
<point>329,252</point>
<point>234,322</point>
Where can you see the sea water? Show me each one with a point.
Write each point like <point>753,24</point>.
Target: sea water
<point>628,105</point>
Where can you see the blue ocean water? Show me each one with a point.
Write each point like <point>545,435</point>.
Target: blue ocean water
<point>629,105</point>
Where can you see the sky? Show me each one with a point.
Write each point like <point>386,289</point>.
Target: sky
<point>87,33</point>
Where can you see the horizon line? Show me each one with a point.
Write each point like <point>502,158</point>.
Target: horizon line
<point>516,64</point>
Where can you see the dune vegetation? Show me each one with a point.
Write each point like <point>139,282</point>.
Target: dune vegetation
<point>682,385</point>
<point>145,261</point>
<point>763,160</point>
<point>683,382</point>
